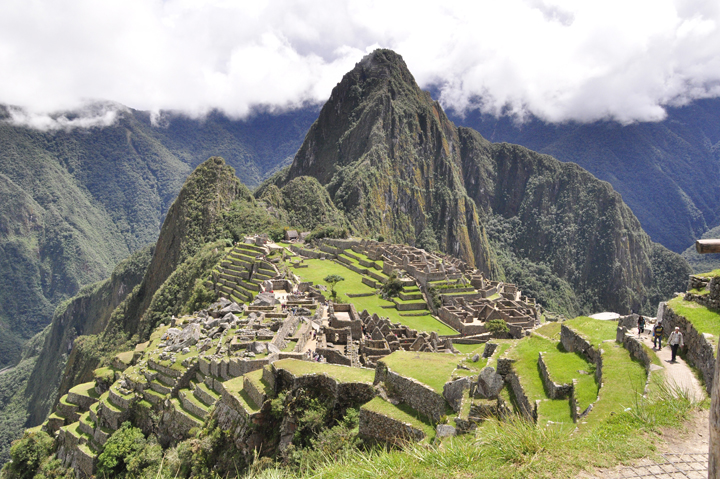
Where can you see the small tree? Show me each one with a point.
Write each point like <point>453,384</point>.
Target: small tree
<point>497,326</point>
<point>332,280</point>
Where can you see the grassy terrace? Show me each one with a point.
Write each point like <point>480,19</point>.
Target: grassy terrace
<point>431,369</point>
<point>343,374</point>
<point>526,354</point>
<point>623,382</point>
<point>595,330</point>
<point>86,389</point>
<point>470,348</point>
<point>703,319</point>
<point>318,269</point>
<point>401,412</point>
<point>550,330</point>
<point>235,387</point>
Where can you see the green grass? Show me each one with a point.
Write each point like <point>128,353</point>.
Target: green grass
<point>703,319</point>
<point>85,389</point>
<point>623,382</point>
<point>290,346</point>
<point>550,330</point>
<point>339,373</point>
<point>319,269</point>
<point>256,377</point>
<point>711,274</point>
<point>525,353</point>
<point>595,330</point>
<point>432,369</point>
<point>564,367</point>
<point>470,348</point>
<point>401,412</point>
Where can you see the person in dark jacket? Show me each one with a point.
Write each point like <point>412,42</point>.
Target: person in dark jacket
<point>641,325</point>
<point>657,335</point>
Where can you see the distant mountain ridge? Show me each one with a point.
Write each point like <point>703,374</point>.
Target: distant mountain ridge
<point>667,171</point>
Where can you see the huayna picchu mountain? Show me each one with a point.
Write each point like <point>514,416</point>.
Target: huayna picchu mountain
<point>393,162</point>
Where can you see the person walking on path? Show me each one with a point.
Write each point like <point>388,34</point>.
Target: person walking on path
<point>657,335</point>
<point>641,325</point>
<point>675,341</point>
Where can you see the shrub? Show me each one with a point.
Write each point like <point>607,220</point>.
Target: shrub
<point>27,454</point>
<point>392,287</point>
<point>497,326</point>
<point>121,450</point>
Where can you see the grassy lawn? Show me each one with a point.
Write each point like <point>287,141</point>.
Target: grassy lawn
<point>432,369</point>
<point>703,319</point>
<point>401,412</point>
<point>595,330</point>
<point>319,269</point>
<point>343,374</point>
<point>550,330</point>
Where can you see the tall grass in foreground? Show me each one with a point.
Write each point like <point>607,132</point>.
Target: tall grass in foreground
<point>514,448</point>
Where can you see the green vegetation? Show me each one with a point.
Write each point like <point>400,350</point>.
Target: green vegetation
<point>703,319</point>
<point>431,369</point>
<point>318,269</point>
<point>595,330</point>
<point>344,374</point>
<point>332,280</point>
<point>550,330</point>
<point>401,412</point>
<point>497,326</point>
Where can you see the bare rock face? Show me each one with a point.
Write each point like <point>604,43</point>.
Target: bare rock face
<point>183,339</point>
<point>444,430</point>
<point>489,383</point>
<point>265,299</point>
<point>257,347</point>
<point>453,392</point>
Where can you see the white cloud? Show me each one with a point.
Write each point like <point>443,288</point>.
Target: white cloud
<point>558,59</point>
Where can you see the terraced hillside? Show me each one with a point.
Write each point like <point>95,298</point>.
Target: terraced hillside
<point>274,365</point>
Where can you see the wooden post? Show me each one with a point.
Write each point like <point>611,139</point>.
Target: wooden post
<point>704,246</point>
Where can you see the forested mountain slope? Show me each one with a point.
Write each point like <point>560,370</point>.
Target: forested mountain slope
<point>666,171</point>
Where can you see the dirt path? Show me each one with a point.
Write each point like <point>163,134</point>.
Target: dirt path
<point>683,452</point>
<point>677,373</point>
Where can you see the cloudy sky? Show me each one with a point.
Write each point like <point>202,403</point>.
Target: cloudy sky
<point>560,60</point>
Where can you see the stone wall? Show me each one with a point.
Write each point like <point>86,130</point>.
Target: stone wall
<point>577,414</point>
<point>700,351</point>
<point>573,342</point>
<point>342,393</point>
<point>306,252</point>
<point>553,389</point>
<point>378,426</point>
<point>634,346</point>
<point>527,409</point>
<point>415,394</point>
<point>287,329</point>
<point>333,356</point>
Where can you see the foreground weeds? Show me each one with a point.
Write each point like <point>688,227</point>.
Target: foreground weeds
<point>514,448</point>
